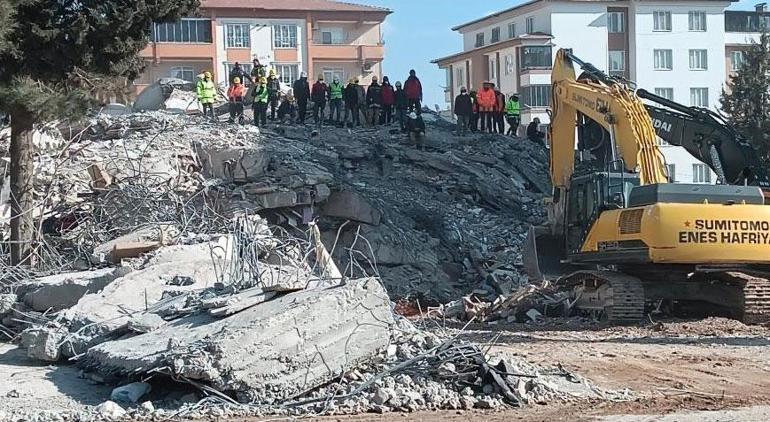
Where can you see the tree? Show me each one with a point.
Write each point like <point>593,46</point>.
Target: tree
<point>747,99</point>
<point>53,54</point>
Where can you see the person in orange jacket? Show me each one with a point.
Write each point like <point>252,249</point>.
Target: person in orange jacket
<point>487,101</point>
<point>235,94</point>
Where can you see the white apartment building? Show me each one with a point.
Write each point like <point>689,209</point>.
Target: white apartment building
<point>673,48</point>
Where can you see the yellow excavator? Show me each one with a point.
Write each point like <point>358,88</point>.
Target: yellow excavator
<point>636,238</point>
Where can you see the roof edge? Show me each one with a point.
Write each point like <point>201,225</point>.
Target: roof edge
<point>494,15</point>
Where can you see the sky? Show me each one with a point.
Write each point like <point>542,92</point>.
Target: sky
<point>419,31</point>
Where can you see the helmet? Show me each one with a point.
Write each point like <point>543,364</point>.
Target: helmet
<point>374,78</point>
<point>263,80</point>
<point>272,72</point>
<point>236,80</point>
<point>207,74</point>
<point>321,77</point>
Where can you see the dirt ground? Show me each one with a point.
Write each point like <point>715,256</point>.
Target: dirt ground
<point>673,368</point>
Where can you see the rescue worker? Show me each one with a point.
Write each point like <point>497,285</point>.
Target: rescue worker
<point>415,128</point>
<point>374,100</point>
<point>287,111</point>
<point>401,103</point>
<point>301,90</point>
<point>533,132</point>
<point>388,100</point>
<point>499,115</point>
<point>335,101</point>
<point>361,93</point>
<point>258,71</point>
<point>463,110</point>
<point>319,94</point>
<point>487,101</point>
<point>413,89</point>
<point>207,91</point>
<point>474,123</point>
<point>235,94</point>
<point>350,95</point>
<point>513,114</point>
<point>236,72</point>
<point>259,106</point>
<point>274,92</point>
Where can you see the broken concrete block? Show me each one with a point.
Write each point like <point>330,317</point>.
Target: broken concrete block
<point>130,393</point>
<point>145,323</point>
<point>62,291</point>
<point>136,242</point>
<point>240,164</point>
<point>276,200</point>
<point>351,206</point>
<point>100,179</point>
<point>268,353</point>
<point>110,410</point>
<point>42,343</point>
<point>6,302</point>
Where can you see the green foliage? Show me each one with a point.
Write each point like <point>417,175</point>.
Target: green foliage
<point>55,52</point>
<point>747,99</point>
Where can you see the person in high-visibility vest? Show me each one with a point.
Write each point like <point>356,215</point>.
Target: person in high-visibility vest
<point>513,114</point>
<point>207,91</point>
<point>335,101</point>
<point>261,97</point>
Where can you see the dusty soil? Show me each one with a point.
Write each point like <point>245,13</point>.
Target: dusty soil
<point>674,368</point>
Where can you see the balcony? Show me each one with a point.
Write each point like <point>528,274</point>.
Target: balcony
<point>363,53</point>
<point>160,51</point>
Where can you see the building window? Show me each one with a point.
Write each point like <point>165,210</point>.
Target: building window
<point>495,35</point>
<point>530,25</point>
<point>661,21</point>
<point>332,36</point>
<point>285,36</point>
<point>480,40</point>
<point>671,168</point>
<point>511,30</point>
<point>701,173</point>
<point>737,60</point>
<point>536,57</point>
<point>667,93</point>
<point>537,96</point>
<point>459,77</point>
<point>617,61</point>
<point>186,30</point>
<point>287,73</point>
<point>699,97</point>
<point>186,73</point>
<point>492,69</point>
<point>508,64</point>
<point>237,35</point>
<point>699,59</point>
<point>333,72</point>
<point>616,22</point>
<point>697,21</point>
<point>663,59</point>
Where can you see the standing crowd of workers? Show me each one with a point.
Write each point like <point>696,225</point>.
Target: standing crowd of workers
<point>335,103</point>
<point>488,111</point>
<point>353,105</point>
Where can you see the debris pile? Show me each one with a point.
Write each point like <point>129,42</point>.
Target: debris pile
<point>258,267</point>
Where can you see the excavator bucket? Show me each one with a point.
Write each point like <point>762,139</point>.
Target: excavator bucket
<point>529,257</point>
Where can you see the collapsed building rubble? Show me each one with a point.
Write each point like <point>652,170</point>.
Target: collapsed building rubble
<point>259,266</point>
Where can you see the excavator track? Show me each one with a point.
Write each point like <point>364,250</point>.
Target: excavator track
<point>755,295</point>
<point>619,296</point>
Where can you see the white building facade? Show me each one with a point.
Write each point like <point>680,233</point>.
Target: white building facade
<point>673,48</point>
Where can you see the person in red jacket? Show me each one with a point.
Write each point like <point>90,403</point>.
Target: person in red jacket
<point>235,94</point>
<point>413,90</point>
<point>487,101</point>
<point>388,99</point>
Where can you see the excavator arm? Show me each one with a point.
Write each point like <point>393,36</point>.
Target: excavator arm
<point>708,138</point>
<point>612,106</point>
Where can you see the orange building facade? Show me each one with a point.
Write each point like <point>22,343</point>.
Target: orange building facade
<point>291,36</point>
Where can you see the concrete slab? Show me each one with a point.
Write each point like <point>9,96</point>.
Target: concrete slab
<point>62,291</point>
<point>267,353</point>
